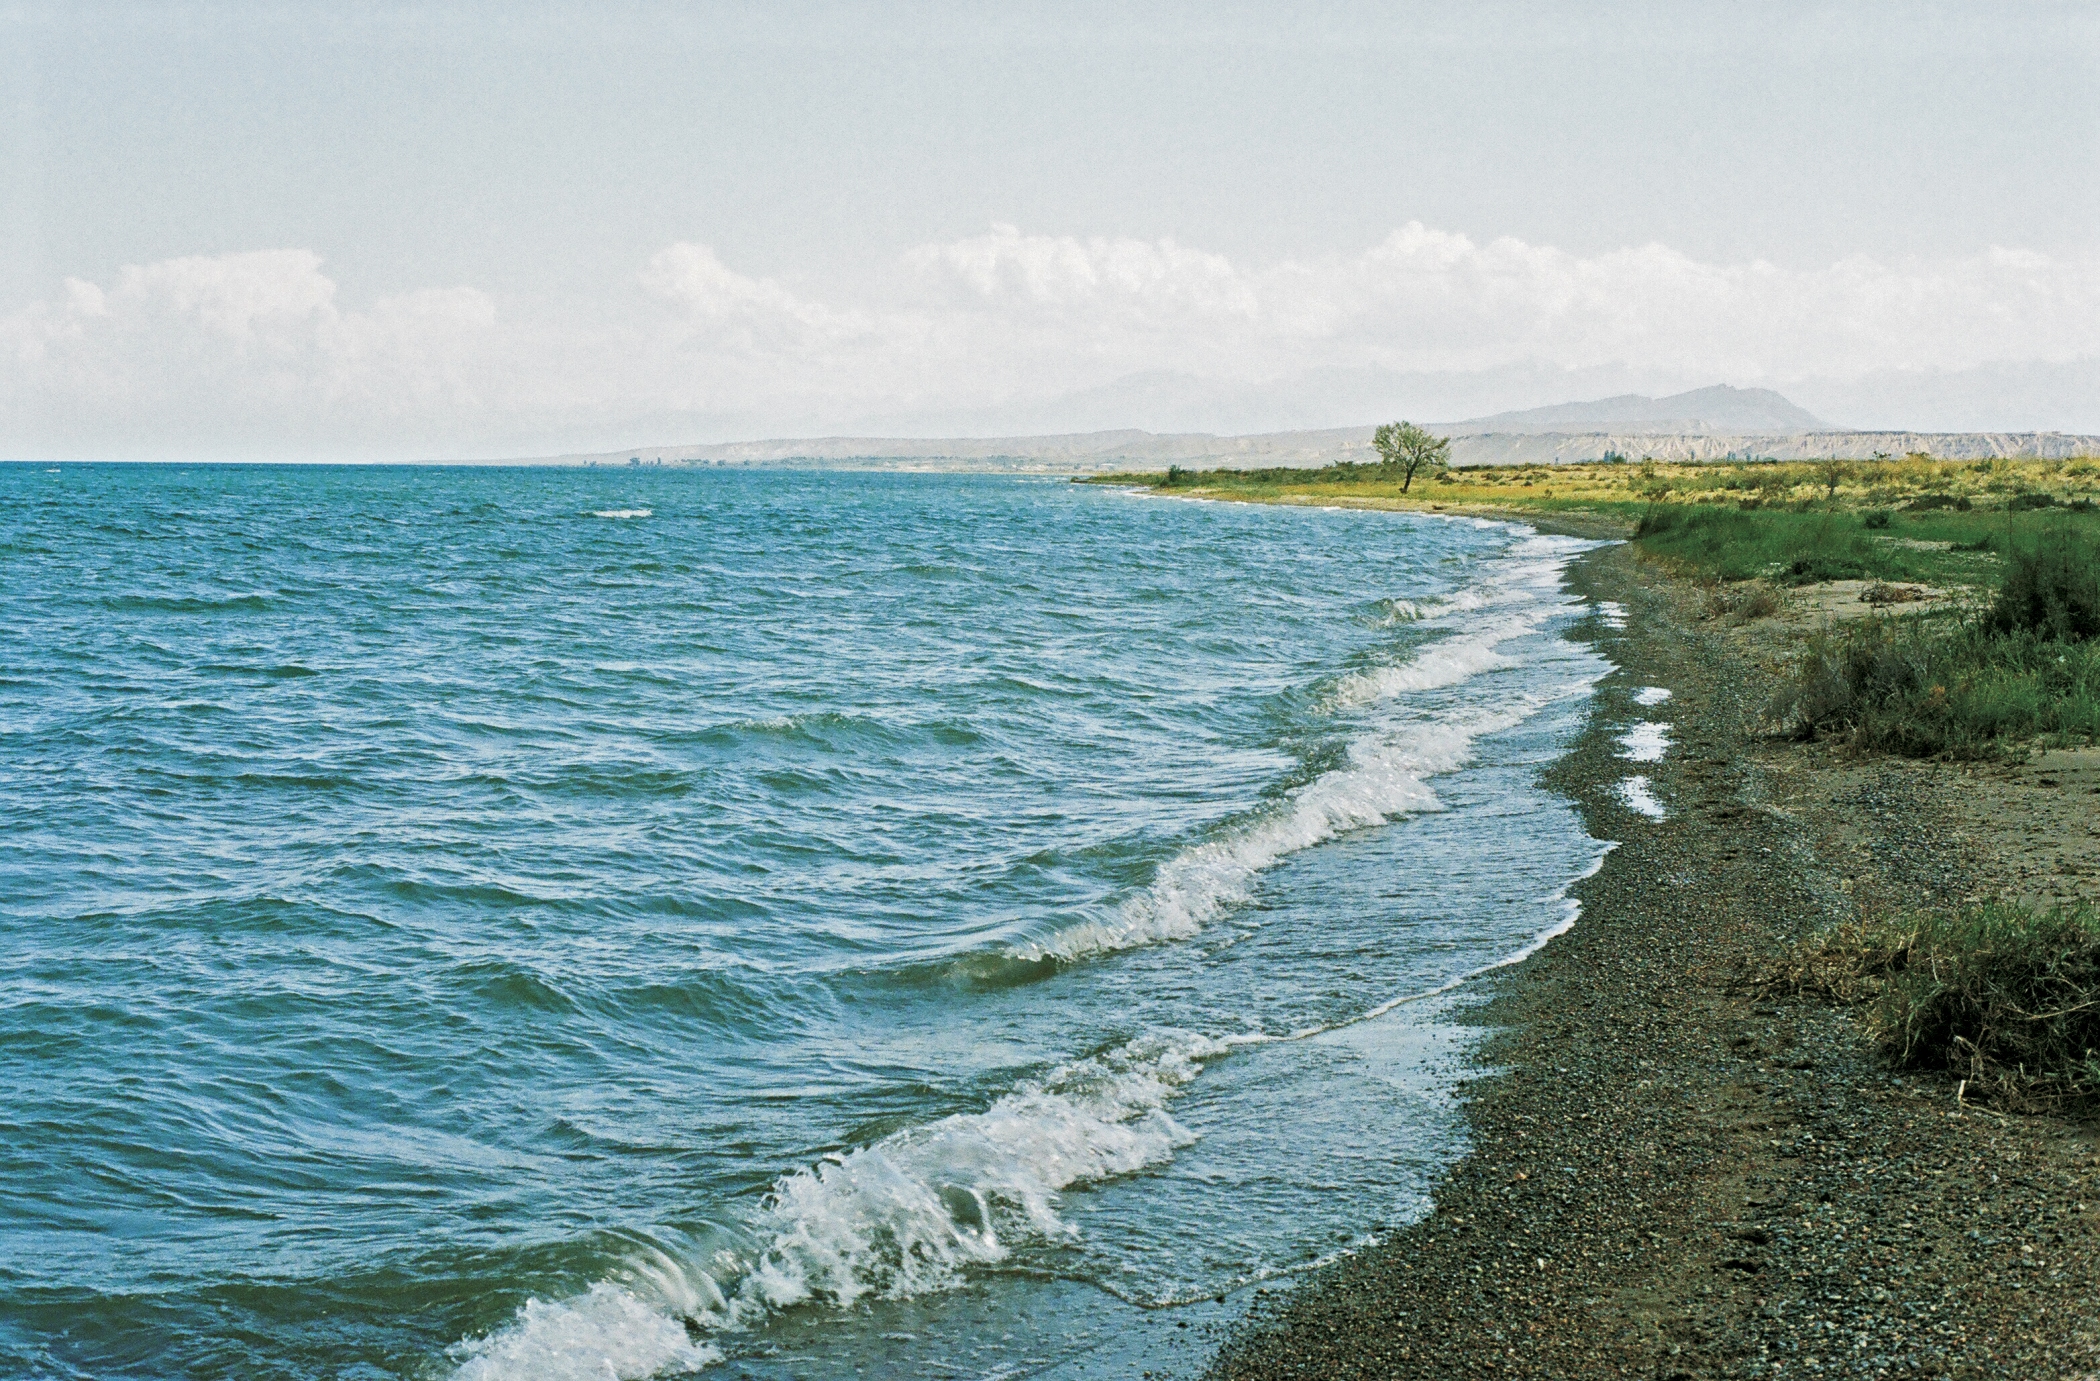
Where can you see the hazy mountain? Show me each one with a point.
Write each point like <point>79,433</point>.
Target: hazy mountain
<point>1169,402</point>
<point>1719,410</point>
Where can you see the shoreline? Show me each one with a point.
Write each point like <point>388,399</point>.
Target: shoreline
<point>1671,1176</point>
<point>1563,522</point>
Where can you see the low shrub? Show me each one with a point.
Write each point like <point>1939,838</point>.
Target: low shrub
<point>2027,503</point>
<point>2003,996</point>
<point>1883,593</point>
<point>1927,503</point>
<point>1743,602</point>
<point>2052,588</point>
<point>1875,519</point>
<point>1926,686</point>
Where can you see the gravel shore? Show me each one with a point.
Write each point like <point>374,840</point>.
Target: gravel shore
<point>1674,1177</point>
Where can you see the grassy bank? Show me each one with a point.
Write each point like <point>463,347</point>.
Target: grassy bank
<point>1968,682</point>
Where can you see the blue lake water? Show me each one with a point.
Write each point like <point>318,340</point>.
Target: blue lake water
<point>562,923</point>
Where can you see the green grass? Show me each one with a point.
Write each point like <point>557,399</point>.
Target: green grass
<point>2004,996</point>
<point>2051,587</point>
<point>1941,546</point>
<point>1943,686</point>
<point>1789,548</point>
<point>1966,685</point>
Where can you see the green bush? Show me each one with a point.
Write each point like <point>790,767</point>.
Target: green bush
<point>2006,997</point>
<point>1925,687</point>
<point>2027,503</point>
<point>1876,519</point>
<point>2052,588</point>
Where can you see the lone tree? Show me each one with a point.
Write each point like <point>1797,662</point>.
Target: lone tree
<point>1404,448</point>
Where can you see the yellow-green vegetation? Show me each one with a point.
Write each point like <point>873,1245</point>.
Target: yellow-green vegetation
<point>1908,490</point>
<point>2005,997</point>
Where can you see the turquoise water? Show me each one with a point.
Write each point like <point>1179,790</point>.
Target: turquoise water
<point>519,923</point>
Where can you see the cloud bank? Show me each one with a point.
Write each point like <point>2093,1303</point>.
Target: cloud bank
<point>254,354</point>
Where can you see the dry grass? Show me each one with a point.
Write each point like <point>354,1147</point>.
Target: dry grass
<point>2004,997</point>
<point>1742,602</point>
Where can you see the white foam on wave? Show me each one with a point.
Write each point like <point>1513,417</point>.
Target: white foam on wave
<point>1387,774</point>
<point>605,1333</point>
<point>1651,695</point>
<point>1635,792</point>
<point>1398,611</point>
<point>1443,663</point>
<point>904,1216</point>
<point>1611,613</point>
<point>1645,743</point>
<point>1381,781</point>
<point>623,513</point>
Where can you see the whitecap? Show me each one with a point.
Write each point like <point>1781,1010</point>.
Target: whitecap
<point>900,1217</point>
<point>1651,695</point>
<point>606,1332</point>
<point>1386,776</point>
<point>905,1215</point>
<point>622,513</point>
<point>1382,781</point>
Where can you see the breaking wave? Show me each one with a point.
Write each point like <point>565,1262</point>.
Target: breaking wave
<point>901,1217</point>
<point>1387,773</point>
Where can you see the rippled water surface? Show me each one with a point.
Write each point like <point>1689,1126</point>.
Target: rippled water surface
<point>518,923</point>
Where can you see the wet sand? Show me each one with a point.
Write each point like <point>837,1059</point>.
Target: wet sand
<point>1674,1177</point>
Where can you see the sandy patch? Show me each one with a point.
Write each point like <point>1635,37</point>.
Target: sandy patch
<point>1834,601</point>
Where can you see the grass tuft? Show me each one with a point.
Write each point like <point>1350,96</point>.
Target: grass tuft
<point>2003,996</point>
<point>1743,602</point>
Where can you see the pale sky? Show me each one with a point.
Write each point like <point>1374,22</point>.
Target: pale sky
<point>322,232</point>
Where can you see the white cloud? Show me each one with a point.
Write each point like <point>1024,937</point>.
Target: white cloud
<point>722,307</point>
<point>255,353</point>
<point>240,350</point>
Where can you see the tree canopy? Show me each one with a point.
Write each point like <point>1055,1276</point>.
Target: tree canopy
<point>1404,448</point>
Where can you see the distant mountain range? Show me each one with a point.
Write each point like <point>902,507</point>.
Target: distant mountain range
<point>1702,412</point>
<point>1715,423</point>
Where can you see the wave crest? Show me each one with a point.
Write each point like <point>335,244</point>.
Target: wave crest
<point>901,1217</point>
